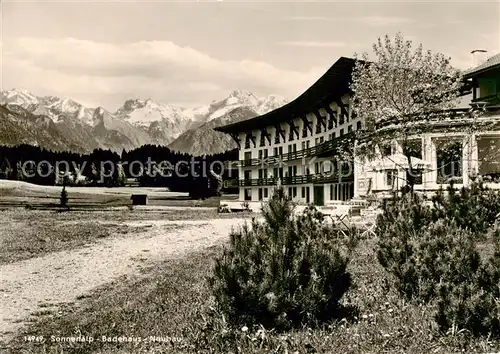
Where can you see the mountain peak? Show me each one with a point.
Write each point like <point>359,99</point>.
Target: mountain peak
<point>241,94</point>
<point>20,97</point>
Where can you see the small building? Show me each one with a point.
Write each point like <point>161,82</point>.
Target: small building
<point>139,199</point>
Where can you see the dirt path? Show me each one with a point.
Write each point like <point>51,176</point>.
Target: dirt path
<point>63,276</point>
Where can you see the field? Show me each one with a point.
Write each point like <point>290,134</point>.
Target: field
<point>20,194</point>
<point>171,300</point>
<point>116,273</point>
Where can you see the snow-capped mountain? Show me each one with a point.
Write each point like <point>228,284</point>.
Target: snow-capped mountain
<point>237,107</point>
<point>137,122</point>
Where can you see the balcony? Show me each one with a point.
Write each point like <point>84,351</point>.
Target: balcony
<point>327,148</point>
<point>315,178</point>
<point>490,100</point>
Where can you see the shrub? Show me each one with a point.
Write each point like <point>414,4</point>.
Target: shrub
<point>418,253</point>
<point>474,303</point>
<point>474,208</point>
<point>63,199</point>
<point>439,254</point>
<point>416,242</point>
<point>284,272</point>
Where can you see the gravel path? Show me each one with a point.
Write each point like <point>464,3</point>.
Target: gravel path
<point>63,276</point>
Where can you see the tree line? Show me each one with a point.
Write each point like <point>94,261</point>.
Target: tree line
<point>148,165</point>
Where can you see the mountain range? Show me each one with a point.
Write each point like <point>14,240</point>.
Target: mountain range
<point>64,124</point>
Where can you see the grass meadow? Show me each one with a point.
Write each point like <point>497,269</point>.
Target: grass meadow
<point>172,300</point>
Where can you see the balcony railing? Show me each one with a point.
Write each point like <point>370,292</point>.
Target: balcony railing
<point>490,99</point>
<point>313,178</point>
<point>328,147</point>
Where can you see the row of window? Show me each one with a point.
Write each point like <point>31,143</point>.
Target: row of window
<point>291,135</point>
<point>338,191</point>
<point>278,150</point>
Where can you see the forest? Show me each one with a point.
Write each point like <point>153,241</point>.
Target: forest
<point>148,166</point>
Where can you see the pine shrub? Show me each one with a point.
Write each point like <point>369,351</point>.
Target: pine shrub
<point>63,199</point>
<point>419,253</point>
<point>473,208</point>
<point>439,253</point>
<point>474,303</point>
<point>417,241</point>
<point>284,272</point>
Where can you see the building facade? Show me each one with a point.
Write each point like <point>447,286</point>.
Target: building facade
<point>299,145</point>
<point>453,149</point>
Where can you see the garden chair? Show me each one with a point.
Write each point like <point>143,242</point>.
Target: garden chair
<point>342,218</point>
<point>368,221</point>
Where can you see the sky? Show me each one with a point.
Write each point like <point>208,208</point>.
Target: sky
<point>189,53</point>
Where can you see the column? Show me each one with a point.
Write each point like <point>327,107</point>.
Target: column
<point>470,165</point>
<point>429,155</point>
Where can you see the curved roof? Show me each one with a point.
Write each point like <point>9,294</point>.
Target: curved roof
<point>332,85</point>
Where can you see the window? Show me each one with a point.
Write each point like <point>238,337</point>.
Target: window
<point>488,157</point>
<point>275,151</point>
<point>280,149</point>
<point>316,141</point>
<point>390,177</point>
<point>349,128</point>
<point>247,175</point>
<point>318,128</point>
<point>248,158</point>
<point>262,141</point>
<point>414,148</point>
<point>304,132</point>
<point>260,193</point>
<point>248,194</point>
<point>265,193</point>
<point>294,192</point>
<point>277,138</point>
<point>333,135</point>
<point>321,140</point>
<point>358,125</point>
<point>386,150</point>
<point>303,192</point>
<point>449,160</point>
<point>289,191</point>
<point>307,144</point>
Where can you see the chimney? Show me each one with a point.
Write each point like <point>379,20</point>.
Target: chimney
<point>479,56</point>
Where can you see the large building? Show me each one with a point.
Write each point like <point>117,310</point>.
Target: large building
<point>297,145</point>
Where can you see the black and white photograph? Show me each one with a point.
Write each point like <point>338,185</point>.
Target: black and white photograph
<point>249,176</point>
